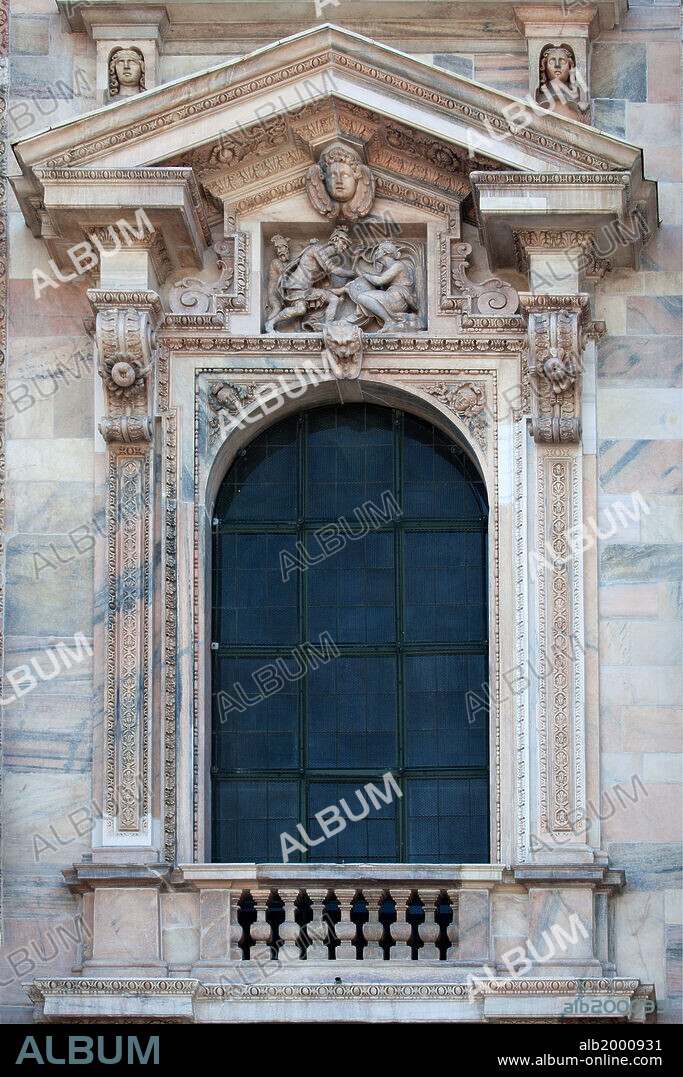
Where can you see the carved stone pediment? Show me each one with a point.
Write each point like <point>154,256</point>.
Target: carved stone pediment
<point>298,149</point>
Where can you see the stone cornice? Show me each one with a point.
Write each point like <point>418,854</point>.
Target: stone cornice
<point>510,204</point>
<point>85,877</point>
<point>341,58</point>
<point>599,876</point>
<point>303,344</point>
<point>556,20</point>
<point>178,998</point>
<point>261,876</point>
<point>417,19</point>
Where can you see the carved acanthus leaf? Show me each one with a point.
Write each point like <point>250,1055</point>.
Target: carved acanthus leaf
<point>581,242</point>
<point>191,295</point>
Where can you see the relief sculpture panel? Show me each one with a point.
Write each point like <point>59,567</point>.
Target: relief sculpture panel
<point>378,286</point>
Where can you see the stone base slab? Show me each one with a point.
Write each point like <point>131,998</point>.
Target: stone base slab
<point>191,1001</point>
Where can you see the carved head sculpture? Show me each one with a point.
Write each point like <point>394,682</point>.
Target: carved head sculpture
<point>386,251</point>
<point>340,184</point>
<point>340,239</point>
<point>557,64</point>
<point>343,349</point>
<point>280,245</point>
<point>126,72</point>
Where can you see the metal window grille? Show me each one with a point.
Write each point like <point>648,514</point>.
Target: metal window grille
<point>367,527</point>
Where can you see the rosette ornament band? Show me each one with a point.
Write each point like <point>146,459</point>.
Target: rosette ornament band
<point>125,352</point>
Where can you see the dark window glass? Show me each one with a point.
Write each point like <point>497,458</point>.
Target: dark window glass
<point>350,618</point>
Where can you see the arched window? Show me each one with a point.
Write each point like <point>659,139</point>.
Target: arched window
<point>362,532</point>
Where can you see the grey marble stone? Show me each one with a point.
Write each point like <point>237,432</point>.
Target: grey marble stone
<point>625,563</point>
<point>648,865</point>
<point>51,78</point>
<point>30,35</point>
<point>461,65</point>
<point>619,71</point>
<point>45,597</point>
<point>652,361</point>
<point>73,410</point>
<point>610,116</point>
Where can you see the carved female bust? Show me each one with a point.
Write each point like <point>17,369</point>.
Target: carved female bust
<point>557,87</point>
<point>126,72</point>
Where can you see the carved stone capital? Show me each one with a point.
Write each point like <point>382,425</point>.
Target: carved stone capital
<point>556,345</point>
<point>106,240</point>
<point>125,346</point>
<point>579,245</point>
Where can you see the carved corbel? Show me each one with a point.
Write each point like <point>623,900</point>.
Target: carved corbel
<point>578,246</point>
<point>125,346</point>
<point>459,293</point>
<point>125,351</point>
<point>557,337</point>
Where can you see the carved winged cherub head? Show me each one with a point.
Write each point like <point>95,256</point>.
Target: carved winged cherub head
<point>343,350</point>
<point>126,72</point>
<point>340,184</point>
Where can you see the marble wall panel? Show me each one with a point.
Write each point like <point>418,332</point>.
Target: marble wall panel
<point>619,71</point>
<point>652,467</point>
<point>610,116</point>
<point>646,361</point>
<point>459,64</point>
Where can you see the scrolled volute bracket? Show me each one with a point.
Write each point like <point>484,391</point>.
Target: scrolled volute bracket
<point>125,351</point>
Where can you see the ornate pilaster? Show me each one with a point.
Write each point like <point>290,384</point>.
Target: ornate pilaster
<point>557,336</point>
<point>125,352</point>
